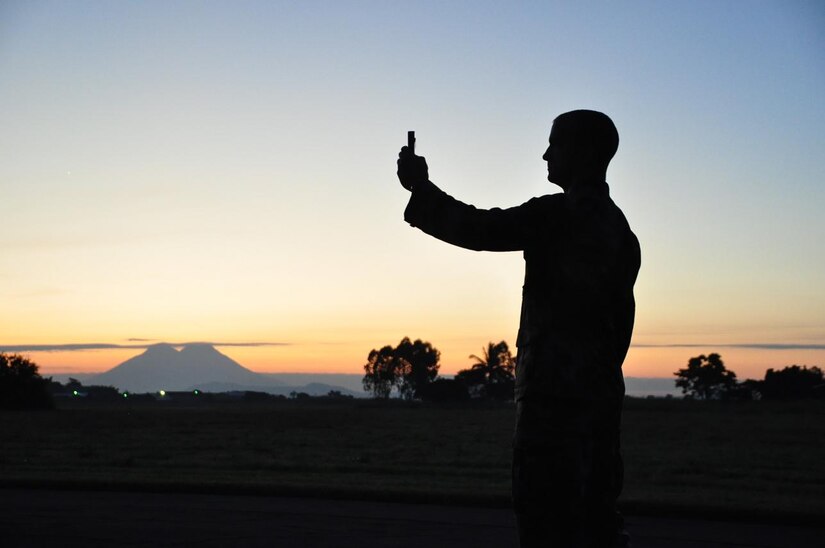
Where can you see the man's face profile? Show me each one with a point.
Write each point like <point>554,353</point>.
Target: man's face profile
<point>554,157</point>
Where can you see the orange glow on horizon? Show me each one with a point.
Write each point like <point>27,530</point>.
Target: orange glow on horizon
<point>349,359</point>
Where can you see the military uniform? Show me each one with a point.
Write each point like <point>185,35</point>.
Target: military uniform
<point>581,262</point>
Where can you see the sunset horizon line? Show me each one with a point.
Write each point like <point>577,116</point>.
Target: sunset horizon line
<point>78,347</point>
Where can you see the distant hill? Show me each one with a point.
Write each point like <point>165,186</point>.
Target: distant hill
<point>163,367</point>
<point>350,381</point>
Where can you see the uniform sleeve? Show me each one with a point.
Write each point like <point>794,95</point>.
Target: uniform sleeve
<point>512,229</point>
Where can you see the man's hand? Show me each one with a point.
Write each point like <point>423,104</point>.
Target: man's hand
<point>412,169</point>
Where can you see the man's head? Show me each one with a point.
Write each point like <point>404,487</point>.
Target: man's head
<point>582,143</point>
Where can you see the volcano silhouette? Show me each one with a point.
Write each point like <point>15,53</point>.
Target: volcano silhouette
<point>163,367</point>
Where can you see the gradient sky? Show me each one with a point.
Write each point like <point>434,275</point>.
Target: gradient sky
<point>225,171</point>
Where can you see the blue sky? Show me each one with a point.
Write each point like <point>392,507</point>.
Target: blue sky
<point>225,170</point>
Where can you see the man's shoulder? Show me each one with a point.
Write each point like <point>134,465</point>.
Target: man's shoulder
<point>547,201</point>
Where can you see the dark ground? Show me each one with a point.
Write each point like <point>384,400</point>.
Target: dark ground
<point>33,518</point>
<point>719,460</point>
<point>211,474</point>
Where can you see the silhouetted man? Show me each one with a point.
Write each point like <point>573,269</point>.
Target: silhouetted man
<point>576,321</point>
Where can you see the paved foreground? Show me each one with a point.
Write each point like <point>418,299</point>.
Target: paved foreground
<point>45,518</point>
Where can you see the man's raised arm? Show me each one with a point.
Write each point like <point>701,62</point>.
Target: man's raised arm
<point>442,216</point>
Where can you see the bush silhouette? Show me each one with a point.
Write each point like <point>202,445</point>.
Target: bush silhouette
<point>791,383</point>
<point>444,390</point>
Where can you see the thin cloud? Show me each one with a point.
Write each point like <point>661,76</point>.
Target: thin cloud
<point>63,347</point>
<point>104,346</point>
<point>753,346</point>
<point>233,343</point>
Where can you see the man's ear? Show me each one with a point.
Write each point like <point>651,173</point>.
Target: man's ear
<point>588,156</point>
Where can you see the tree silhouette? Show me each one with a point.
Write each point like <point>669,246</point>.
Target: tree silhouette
<point>379,377</point>
<point>21,387</point>
<point>492,375</point>
<point>706,378</point>
<point>408,368</point>
<point>417,366</point>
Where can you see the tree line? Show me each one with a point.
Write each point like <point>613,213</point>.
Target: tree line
<point>707,378</point>
<point>410,371</point>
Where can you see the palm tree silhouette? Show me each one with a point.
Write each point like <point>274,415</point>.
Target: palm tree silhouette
<point>492,370</point>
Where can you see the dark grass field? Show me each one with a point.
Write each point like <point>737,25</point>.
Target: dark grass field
<point>751,460</point>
